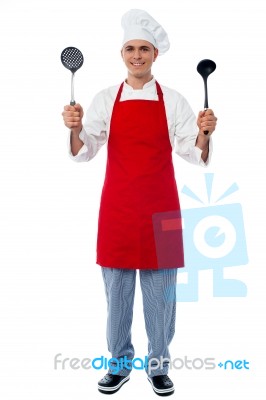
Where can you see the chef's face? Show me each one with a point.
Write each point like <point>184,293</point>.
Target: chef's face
<point>139,55</point>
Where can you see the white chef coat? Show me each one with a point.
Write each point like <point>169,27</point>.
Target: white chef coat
<point>181,120</point>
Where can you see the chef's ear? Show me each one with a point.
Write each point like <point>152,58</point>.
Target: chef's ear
<point>156,52</point>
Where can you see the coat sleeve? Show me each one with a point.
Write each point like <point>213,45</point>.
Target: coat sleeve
<point>93,133</point>
<point>186,132</point>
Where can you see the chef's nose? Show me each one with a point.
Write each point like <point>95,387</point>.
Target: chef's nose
<point>137,54</point>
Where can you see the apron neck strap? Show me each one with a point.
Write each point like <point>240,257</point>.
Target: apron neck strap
<point>159,91</point>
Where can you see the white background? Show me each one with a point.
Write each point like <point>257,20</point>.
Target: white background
<point>52,295</point>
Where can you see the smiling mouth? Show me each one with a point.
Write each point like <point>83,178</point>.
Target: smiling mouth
<point>137,64</point>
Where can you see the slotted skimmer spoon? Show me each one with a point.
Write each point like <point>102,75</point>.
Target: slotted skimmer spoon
<point>72,59</point>
<point>205,68</point>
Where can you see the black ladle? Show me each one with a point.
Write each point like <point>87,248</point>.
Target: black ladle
<point>205,68</point>
<point>72,59</point>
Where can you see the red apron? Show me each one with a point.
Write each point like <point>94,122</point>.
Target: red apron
<point>139,224</point>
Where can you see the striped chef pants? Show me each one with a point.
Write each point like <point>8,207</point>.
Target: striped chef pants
<point>159,307</point>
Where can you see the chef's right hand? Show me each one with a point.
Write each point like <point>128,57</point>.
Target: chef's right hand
<point>72,116</point>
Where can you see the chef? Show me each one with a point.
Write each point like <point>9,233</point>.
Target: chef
<point>142,123</point>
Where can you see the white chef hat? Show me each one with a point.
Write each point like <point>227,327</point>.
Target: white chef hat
<point>138,24</point>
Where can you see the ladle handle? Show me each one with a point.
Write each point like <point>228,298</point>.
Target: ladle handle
<point>205,132</point>
<point>206,105</point>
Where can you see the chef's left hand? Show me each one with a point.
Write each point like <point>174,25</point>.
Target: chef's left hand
<point>206,122</point>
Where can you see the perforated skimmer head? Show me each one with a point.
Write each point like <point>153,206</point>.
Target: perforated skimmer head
<point>72,58</point>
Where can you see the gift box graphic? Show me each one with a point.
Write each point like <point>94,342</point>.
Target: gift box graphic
<point>213,238</point>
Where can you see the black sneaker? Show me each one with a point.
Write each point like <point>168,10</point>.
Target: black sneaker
<point>162,385</point>
<point>110,383</point>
